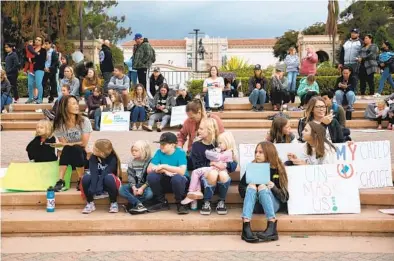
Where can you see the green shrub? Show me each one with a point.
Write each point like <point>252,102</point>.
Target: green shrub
<point>325,83</point>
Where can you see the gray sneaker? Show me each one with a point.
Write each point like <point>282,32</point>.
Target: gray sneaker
<point>206,208</point>
<point>114,208</point>
<point>89,208</point>
<point>221,208</point>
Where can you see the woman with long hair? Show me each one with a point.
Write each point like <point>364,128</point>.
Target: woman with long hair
<point>71,80</point>
<point>264,198</point>
<point>213,81</point>
<point>280,131</point>
<point>138,103</point>
<point>90,82</point>
<point>36,78</point>
<point>368,65</point>
<point>386,61</point>
<point>257,86</point>
<point>73,132</point>
<point>292,67</point>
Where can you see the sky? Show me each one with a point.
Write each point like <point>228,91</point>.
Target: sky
<point>231,19</point>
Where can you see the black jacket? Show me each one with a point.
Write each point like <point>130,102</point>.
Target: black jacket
<point>11,63</point>
<point>153,83</point>
<point>106,62</point>
<point>334,128</point>
<point>279,194</point>
<point>179,101</point>
<point>5,87</point>
<point>39,60</point>
<point>100,168</point>
<point>352,82</point>
<point>40,151</point>
<point>54,62</point>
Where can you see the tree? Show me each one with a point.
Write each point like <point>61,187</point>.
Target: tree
<point>235,63</point>
<point>332,23</point>
<point>315,29</point>
<point>284,42</point>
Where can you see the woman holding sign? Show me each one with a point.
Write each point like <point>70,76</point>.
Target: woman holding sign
<point>264,198</point>
<point>213,82</point>
<point>73,132</point>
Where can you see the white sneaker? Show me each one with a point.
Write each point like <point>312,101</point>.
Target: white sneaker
<point>89,208</point>
<point>377,95</point>
<point>114,208</point>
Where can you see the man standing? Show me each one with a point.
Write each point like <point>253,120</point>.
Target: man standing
<point>144,56</point>
<point>51,67</point>
<point>350,54</point>
<point>12,68</point>
<point>106,64</point>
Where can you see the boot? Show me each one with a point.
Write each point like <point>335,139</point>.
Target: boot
<point>247,233</point>
<point>270,233</point>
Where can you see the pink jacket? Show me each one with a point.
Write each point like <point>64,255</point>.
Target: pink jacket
<point>308,64</point>
<point>216,156</point>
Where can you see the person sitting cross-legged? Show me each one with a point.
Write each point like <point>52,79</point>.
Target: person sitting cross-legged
<point>345,86</point>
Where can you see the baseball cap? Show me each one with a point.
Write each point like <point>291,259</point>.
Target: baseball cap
<point>137,36</point>
<point>156,69</point>
<point>168,138</point>
<point>181,87</point>
<point>257,67</point>
<point>280,67</point>
<point>355,30</point>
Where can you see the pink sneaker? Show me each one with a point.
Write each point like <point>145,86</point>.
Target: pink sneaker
<point>195,195</point>
<point>187,201</point>
<point>390,126</point>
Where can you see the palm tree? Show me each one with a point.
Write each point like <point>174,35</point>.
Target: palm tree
<point>332,24</point>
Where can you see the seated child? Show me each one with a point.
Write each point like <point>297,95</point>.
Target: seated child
<point>105,167</point>
<point>224,153</point>
<point>38,149</point>
<point>183,97</point>
<point>137,190</point>
<point>381,111</point>
<point>50,114</point>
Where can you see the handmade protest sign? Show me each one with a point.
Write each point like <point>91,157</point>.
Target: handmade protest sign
<point>318,189</point>
<point>367,162</point>
<point>32,176</point>
<point>215,97</point>
<point>115,121</point>
<point>178,115</point>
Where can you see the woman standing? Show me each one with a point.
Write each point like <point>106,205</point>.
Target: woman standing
<point>368,65</point>
<point>73,132</point>
<point>36,79</point>
<point>292,67</point>
<point>195,112</point>
<point>308,63</point>
<point>12,68</point>
<point>386,61</point>
<point>71,80</point>
<point>213,81</point>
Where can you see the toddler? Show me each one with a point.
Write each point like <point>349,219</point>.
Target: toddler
<point>39,150</point>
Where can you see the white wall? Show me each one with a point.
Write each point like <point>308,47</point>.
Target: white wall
<point>177,56</point>
<point>264,57</point>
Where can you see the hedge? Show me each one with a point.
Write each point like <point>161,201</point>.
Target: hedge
<point>325,83</point>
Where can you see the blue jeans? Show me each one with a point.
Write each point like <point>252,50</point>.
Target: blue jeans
<point>350,97</point>
<point>37,80</point>
<point>386,76</point>
<point>267,200</point>
<point>133,77</point>
<point>138,114</point>
<point>160,184</point>
<point>257,97</point>
<point>292,78</point>
<point>97,118</point>
<point>209,190</point>
<point>87,94</point>
<point>206,100</point>
<point>5,100</point>
<point>125,191</point>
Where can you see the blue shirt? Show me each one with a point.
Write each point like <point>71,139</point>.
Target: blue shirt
<point>176,159</point>
<point>49,58</point>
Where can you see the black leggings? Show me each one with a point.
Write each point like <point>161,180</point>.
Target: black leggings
<point>75,156</point>
<point>388,118</point>
<point>279,96</point>
<point>109,184</point>
<point>364,79</point>
<point>306,97</point>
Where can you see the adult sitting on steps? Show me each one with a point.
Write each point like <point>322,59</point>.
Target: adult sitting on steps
<point>257,89</point>
<point>344,88</point>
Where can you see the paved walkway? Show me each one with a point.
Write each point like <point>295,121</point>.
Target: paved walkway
<point>196,248</point>
<point>13,143</point>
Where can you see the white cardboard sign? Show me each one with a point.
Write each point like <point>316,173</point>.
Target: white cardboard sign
<point>367,162</point>
<point>318,189</point>
<point>215,97</point>
<point>178,115</point>
<point>115,121</point>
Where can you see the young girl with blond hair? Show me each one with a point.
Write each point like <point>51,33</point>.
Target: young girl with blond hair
<point>264,198</point>
<point>116,102</point>
<point>137,191</point>
<point>38,149</point>
<point>138,103</point>
<point>105,168</point>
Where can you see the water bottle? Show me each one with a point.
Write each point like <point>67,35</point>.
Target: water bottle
<point>193,205</point>
<point>50,199</point>
<point>11,108</point>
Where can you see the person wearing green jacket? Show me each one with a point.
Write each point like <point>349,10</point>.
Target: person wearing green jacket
<point>308,88</point>
<point>144,56</point>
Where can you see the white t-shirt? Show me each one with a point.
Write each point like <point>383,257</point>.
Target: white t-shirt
<point>74,134</point>
<point>210,83</point>
<point>329,156</point>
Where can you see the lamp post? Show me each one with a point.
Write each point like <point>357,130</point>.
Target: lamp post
<point>196,33</point>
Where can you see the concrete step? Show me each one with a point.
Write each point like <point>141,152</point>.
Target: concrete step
<point>19,125</point>
<point>66,221</point>
<point>254,123</point>
<point>268,106</point>
<point>377,196</point>
<point>19,107</point>
<point>241,114</point>
<point>22,116</point>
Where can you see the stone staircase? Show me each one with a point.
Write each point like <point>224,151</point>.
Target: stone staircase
<point>237,114</point>
<point>25,214</point>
